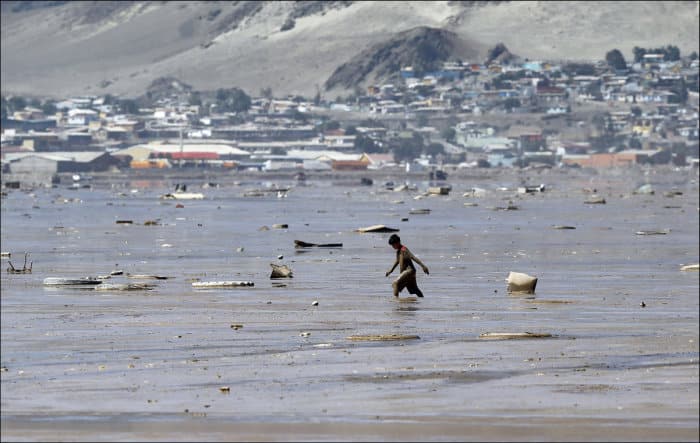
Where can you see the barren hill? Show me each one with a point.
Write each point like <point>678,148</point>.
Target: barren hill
<point>60,48</point>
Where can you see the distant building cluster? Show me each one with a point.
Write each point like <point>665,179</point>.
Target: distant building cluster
<point>646,113</point>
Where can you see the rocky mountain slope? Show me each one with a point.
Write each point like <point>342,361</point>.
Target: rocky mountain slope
<point>59,48</point>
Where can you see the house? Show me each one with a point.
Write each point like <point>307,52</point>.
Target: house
<point>34,141</point>
<point>349,165</point>
<point>81,117</point>
<point>530,138</point>
<point>551,94</point>
<point>617,159</point>
<point>41,124</point>
<point>190,153</point>
<point>56,162</point>
<point>650,61</point>
<point>377,161</point>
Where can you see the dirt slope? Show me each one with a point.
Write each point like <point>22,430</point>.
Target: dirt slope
<point>121,47</point>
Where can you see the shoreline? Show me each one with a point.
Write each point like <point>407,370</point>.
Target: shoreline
<point>195,176</point>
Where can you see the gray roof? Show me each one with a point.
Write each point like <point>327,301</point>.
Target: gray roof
<point>75,156</point>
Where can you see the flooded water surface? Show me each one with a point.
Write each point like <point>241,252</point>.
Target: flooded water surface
<point>275,361</point>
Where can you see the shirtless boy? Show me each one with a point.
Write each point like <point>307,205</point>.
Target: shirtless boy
<point>407,276</point>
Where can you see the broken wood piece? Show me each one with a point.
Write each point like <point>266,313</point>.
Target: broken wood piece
<point>124,287</point>
<point>594,199</point>
<point>62,281</point>
<point>512,335</point>
<point>303,244</point>
<point>144,276</point>
<point>376,228</point>
<point>221,284</point>
<point>382,337</point>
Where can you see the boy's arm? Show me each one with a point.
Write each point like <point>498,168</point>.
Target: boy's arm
<point>396,262</point>
<point>417,260</point>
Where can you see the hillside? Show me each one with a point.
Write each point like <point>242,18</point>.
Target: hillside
<point>60,48</point>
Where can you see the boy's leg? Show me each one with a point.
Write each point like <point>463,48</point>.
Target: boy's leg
<point>412,285</point>
<point>404,279</point>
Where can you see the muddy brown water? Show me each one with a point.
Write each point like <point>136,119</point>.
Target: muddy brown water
<point>79,364</point>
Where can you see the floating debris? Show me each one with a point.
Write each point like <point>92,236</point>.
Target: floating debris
<point>225,389</point>
<point>305,334</point>
<point>62,281</point>
<point>510,207</point>
<point>694,267</point>
<point>221,284</point>
<point>280,226</point>
<point>314,303</point>
<point>303,244</point>
<point>563,227</point>
<point>146,276</point>
<point>151,223</point>
<point>530,189</point>
<point>664,232</point>
<point>513,335</point>
<point>521,283</point>
<point>124,287</point>
<point>439,190</point>
<point>376,228</point>
<point>125,222</point>
<point>236,326</point>
<point>182,196</point>
<point>24,270</point>
<point>382,337</point>
<point>280,271</point>
<point>475,192</point>
<point>644,189</point>
<point>419,211</point>
<point>595,200</point>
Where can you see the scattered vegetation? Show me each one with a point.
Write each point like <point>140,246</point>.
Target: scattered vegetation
<point>671,53</point>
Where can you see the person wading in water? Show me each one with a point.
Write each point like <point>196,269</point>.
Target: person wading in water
<point>407,276</point>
